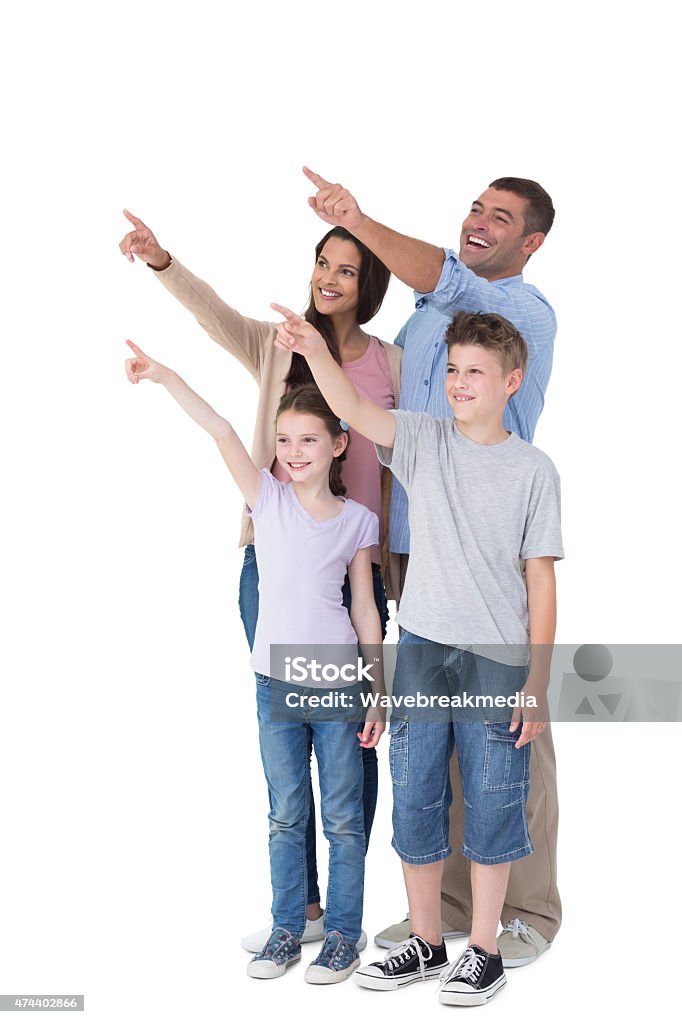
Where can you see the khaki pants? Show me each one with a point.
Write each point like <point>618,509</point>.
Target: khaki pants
<point>532,892</point>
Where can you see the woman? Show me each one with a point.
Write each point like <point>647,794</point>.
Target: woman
<point>347,288</point>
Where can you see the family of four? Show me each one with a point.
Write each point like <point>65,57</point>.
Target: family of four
<point>405,471</point>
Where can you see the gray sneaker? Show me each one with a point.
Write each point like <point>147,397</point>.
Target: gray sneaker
<point>279,952</point>
<point>396,934</point>
<point>520,944</point>
<point>336,961</point>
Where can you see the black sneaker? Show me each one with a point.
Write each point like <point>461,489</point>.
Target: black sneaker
<point>473,979</point>
<point>412,960</point>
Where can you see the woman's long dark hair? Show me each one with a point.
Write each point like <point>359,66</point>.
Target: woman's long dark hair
<point>308,399</point>
<point>372,287</point>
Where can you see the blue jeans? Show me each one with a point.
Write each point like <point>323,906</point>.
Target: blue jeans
<point>495,774</point>
<point>285,737</point>
<point>248,609</point>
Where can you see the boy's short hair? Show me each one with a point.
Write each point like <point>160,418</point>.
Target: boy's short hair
<point>492,332</point>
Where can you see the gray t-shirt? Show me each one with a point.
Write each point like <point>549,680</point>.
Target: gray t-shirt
<point>476,512</point>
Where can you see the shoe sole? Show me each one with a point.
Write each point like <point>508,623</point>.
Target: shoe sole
<point>473,998</point>
<point>266,969</point>
<point>392,984</point>
<point>385,943</point>
<point>524,961</point>
<point>317,975</point>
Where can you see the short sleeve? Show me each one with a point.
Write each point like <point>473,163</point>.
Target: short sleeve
<point>401,457</point>
<point>266,493</point>
<point>368,531</point>
<point>542,535</point>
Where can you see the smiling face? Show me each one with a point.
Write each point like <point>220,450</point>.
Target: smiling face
<point>304,446</point>
<point>493,242</point>
<point>336,277</point>
<point>476,387</point>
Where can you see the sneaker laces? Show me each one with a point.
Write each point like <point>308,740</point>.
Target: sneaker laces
<point>517,929</point>
<point>334,950</point>
<point>278,945</point>
<point>469,966</point>
<point>397,956</point>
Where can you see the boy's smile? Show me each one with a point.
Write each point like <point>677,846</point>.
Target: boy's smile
<point>477,389</point>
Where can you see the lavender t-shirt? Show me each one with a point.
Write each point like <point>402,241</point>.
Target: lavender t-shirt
<point>301,566</point>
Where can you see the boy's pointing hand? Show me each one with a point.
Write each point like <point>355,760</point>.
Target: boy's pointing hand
<point>296,334</point>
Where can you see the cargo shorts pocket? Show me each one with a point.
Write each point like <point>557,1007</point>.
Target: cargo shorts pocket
<point>398,753</point>
<point>504,767</point>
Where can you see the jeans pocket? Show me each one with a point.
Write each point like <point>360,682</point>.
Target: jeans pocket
<point>249,554</point>
<point>261,679</point>
<point>504,766</point>
<point>398,752</point>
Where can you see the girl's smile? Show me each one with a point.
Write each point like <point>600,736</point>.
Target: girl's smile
<point>305,448</point>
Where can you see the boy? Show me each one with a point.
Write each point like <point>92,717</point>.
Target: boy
<point>482,502</point>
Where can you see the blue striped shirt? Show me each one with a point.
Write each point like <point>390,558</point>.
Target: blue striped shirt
<point>422,387</point>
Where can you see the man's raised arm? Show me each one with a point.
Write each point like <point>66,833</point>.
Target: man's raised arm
<point>418,264</point>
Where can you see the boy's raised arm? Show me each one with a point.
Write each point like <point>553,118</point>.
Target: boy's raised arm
<point>297,335</point>
<point>244,472</point>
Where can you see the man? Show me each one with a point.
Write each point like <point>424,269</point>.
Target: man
<point>506,225</point>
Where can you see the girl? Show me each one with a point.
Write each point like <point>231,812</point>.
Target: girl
<point>346,290</point>
<point>308,536</point>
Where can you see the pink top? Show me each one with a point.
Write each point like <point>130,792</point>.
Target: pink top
<point>302,565</point>
<point>361,469</point>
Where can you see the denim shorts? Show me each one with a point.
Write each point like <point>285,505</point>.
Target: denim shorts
<point>495,774</point>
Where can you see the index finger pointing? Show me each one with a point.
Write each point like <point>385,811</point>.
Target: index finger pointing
<point>133,219</point>
<point>286,313</point>
<point>133,346</point>
<point>317,180</point>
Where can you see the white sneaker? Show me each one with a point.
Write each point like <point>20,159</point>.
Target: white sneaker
<point>313,932</point>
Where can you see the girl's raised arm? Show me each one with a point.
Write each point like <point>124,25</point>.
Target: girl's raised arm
<point>245,473</point>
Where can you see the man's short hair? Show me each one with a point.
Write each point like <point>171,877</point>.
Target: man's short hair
<point>493,333</point>
<point>539,215</point>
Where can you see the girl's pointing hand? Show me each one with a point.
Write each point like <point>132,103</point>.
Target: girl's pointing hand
<point>141,367</point>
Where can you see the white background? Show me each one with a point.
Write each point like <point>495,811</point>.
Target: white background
<point>133,845</point>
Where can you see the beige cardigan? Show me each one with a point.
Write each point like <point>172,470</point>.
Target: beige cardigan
<point>252,343</point>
